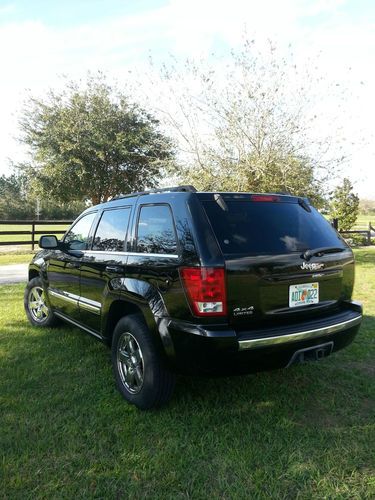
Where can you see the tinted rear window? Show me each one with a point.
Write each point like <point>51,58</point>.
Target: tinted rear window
<point>111,232</point>
<point>156,232</point>
<point>246,227</point>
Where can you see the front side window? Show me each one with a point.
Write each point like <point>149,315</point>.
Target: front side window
<point>78,235</point>
<point>111,232</point>
<point>156,233</point>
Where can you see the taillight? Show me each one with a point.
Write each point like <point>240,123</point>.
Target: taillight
<point>264,197</point>
<point>205,289</point>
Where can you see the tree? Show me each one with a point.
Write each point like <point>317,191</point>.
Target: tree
<point>18,201</point>
<point>344,205</point>
<point>248,124</point>
<point>13,197</point>
<point>91,143</point>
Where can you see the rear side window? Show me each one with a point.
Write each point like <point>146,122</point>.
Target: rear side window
<point>77,236</point>
<point>156,233</point>
<point>246,227</point>
<point>111,232</point>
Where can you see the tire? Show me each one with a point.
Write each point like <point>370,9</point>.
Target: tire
<point>138,365</point>
<point>37,310</point>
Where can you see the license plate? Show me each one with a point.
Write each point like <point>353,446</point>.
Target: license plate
<point>303,295</point>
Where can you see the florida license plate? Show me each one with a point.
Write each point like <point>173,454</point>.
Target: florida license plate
<point>303,295</point>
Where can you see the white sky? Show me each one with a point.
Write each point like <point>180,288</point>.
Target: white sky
<point>41,40</point>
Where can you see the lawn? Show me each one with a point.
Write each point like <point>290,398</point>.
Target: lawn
<point>306,432</point>
<point>16,258</point>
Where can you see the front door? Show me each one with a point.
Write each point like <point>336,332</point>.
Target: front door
<point>63,268</point>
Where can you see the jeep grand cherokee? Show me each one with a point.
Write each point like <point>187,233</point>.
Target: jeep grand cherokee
<point>176,280</point>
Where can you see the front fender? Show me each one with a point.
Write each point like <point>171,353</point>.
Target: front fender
<point>37,268</point>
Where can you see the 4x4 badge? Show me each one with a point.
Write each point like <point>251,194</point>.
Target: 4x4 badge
<point>312,266</point>
<point>243,311</point>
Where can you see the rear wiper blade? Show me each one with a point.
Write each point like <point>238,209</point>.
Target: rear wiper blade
<point>321,251</point>
<point>304,204</point>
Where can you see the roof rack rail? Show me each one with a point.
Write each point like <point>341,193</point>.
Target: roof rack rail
<point>176,189</point>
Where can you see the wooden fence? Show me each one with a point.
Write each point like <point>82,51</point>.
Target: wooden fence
<point>32,232</point>
<point>367,233</point>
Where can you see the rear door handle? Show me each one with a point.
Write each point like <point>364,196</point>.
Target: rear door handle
<point>74,265</point>
<point>114,269</point>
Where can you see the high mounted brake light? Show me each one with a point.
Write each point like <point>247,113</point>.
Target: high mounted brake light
<point>264,197</point>
<point>205,289</point>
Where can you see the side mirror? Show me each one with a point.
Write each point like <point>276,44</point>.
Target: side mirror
<point>48,242</point>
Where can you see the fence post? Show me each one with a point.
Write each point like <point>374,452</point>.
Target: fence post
<point>335,223</point>
<point>32,234</point>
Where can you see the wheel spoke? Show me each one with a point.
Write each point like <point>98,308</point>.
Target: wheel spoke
<point>35,294</point>
<point>33,304</point>
<point>44,310</point>
<point>124,357</point>
<point>138,376</point>
<point>132,346</point>
<point>129,377</point>
<point>137,355</point>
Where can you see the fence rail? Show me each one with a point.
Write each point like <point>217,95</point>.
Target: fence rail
<point>32,232</point>
<point>367,233</point>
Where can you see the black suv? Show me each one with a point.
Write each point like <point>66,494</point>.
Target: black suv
<point>182,281</point>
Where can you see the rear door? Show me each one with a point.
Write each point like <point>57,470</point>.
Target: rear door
<point>155,259</point>
<point>270,277</point>
<point>105,261</point>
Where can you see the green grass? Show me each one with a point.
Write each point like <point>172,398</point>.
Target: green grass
<point>65,432</point>
<point>16,258</point>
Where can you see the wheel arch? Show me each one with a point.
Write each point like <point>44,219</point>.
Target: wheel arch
<point>33,273</point>
<point>122,307</point>
<point>117,310</point>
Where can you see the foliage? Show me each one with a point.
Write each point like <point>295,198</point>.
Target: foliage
<point>356,240</point>
<point>92,143</point>
<point>18,201</point>
<point>344,205</point>
<point>13,197</point>
<point>249,125</point>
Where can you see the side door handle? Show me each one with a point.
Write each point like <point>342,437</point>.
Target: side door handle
<point>74,265</point>
<point>114,269</point>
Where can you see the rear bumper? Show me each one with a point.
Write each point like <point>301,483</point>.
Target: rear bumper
<point>300,336</point>
<point>199,349</point>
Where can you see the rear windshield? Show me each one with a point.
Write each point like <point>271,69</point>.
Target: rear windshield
<point>246,227</point>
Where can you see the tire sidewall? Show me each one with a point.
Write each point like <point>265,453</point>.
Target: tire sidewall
<point>152,361</point>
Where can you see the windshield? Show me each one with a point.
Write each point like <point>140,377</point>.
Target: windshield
<point>246,227</point>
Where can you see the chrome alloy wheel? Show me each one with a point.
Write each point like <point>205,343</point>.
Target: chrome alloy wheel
<point>37,306</point>
<point>130,363</point>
